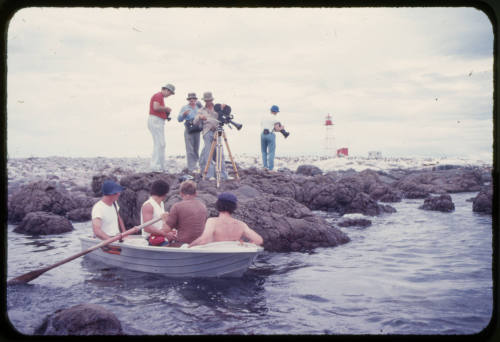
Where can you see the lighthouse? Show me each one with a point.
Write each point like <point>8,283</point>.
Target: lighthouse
<point>329,136</point>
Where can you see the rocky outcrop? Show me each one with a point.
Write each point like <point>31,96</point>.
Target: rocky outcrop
<point>82,319</point>
<point>83,211</point>
<point>308,170</point>
<point>483,202</point>
<point>46,196</point>
<point>349,222</point>
<point>284,224</point>
<point>343,192</point>
<point>420,184</point>
<point>340,193</point>
<point>439,203</point>
<point>43,223</point>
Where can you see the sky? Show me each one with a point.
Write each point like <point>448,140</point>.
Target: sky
<point>408,82</point>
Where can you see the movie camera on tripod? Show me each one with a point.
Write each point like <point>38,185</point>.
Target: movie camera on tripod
<point>225,116</point>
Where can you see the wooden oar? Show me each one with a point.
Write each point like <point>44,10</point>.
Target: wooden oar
<point>34,274</point>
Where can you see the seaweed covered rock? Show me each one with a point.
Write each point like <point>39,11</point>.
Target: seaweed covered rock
<point>48,196</point>
<point>439,203</point>
<point>308,170</point>
<point>349,222</point>
<point>82,319</point>
<point>482,203</point>
<point>43,223</point>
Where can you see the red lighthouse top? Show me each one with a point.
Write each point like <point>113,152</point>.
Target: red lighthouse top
<point>328,121</point>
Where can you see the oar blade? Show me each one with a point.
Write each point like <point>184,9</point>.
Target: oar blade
<point>27,277</point>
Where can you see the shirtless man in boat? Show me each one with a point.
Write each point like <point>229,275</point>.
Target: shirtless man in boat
<point>224,227</point>
<point>187,216</point>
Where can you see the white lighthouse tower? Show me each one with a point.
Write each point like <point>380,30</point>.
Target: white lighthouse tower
<point>329,136</point>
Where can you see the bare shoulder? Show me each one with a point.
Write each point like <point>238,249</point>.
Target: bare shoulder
<point>242,224</point>
<point>211,220</point>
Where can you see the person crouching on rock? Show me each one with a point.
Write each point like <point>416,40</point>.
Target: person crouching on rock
<point>106,221</point>
<point>224,227</point>
<point>157,234</point>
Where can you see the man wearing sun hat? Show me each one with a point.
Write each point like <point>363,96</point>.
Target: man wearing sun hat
<point>106,222</point>
<point>158,113</point>
<point>191,137</point>
<point>209,117</point>
<point>224,227</point>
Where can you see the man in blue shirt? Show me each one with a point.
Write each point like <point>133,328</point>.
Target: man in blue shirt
<point>191,138</point>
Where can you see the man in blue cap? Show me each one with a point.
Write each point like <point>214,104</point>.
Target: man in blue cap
<point>106,222</point>
<point>269,125</point>
<point>224,227</point>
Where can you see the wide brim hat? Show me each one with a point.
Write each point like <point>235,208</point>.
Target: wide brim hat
<point>170,87</point>
<point>110,188</point>
<point>191,96</point>
<point>208,96</point>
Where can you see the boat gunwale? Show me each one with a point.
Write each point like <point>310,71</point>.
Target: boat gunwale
<point>166,249</point>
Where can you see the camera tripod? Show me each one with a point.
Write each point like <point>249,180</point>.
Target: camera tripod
<point>217,147</point>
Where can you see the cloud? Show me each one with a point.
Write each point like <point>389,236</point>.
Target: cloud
<point>85,77</point>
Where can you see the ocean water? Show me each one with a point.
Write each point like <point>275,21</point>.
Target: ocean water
<point>411,272</point>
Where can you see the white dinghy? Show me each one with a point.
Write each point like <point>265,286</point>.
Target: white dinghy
<point>217,259</point>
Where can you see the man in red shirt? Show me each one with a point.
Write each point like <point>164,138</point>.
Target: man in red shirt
<point>158,113</point>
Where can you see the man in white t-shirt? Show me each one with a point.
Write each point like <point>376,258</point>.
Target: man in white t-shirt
<point>106,222</point>
<point>269,125</point>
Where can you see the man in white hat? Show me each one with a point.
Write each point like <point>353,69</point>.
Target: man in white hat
<point>158,113</point>
<point>210,120</point>
<point>191,132</point>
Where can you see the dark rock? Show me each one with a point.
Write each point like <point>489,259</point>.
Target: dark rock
<point>143,181</point>
<point>286,225</point>
<point>45,196</point>
<point>82,319</point>
<point>391,196</point>
<point>309,170</point>
<point>80,214</point>
<point>43,223</point>
<point>84,201</point>
<point>482,203</point>
<point>445,167</point>
<point>439,203</point>
<point>420,184</point>
<point>96,184</point>
<point>349,222</point>
<point>83,211</point>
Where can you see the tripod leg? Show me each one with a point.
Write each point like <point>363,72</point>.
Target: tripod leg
<point>209,160</point>
<point>218,162</point>
<point>231,156</point>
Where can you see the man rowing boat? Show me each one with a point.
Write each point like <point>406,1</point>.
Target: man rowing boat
<point>224,227</point>
<point>106,221</point>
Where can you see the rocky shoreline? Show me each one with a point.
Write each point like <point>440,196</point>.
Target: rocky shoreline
<point>278,205</point>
